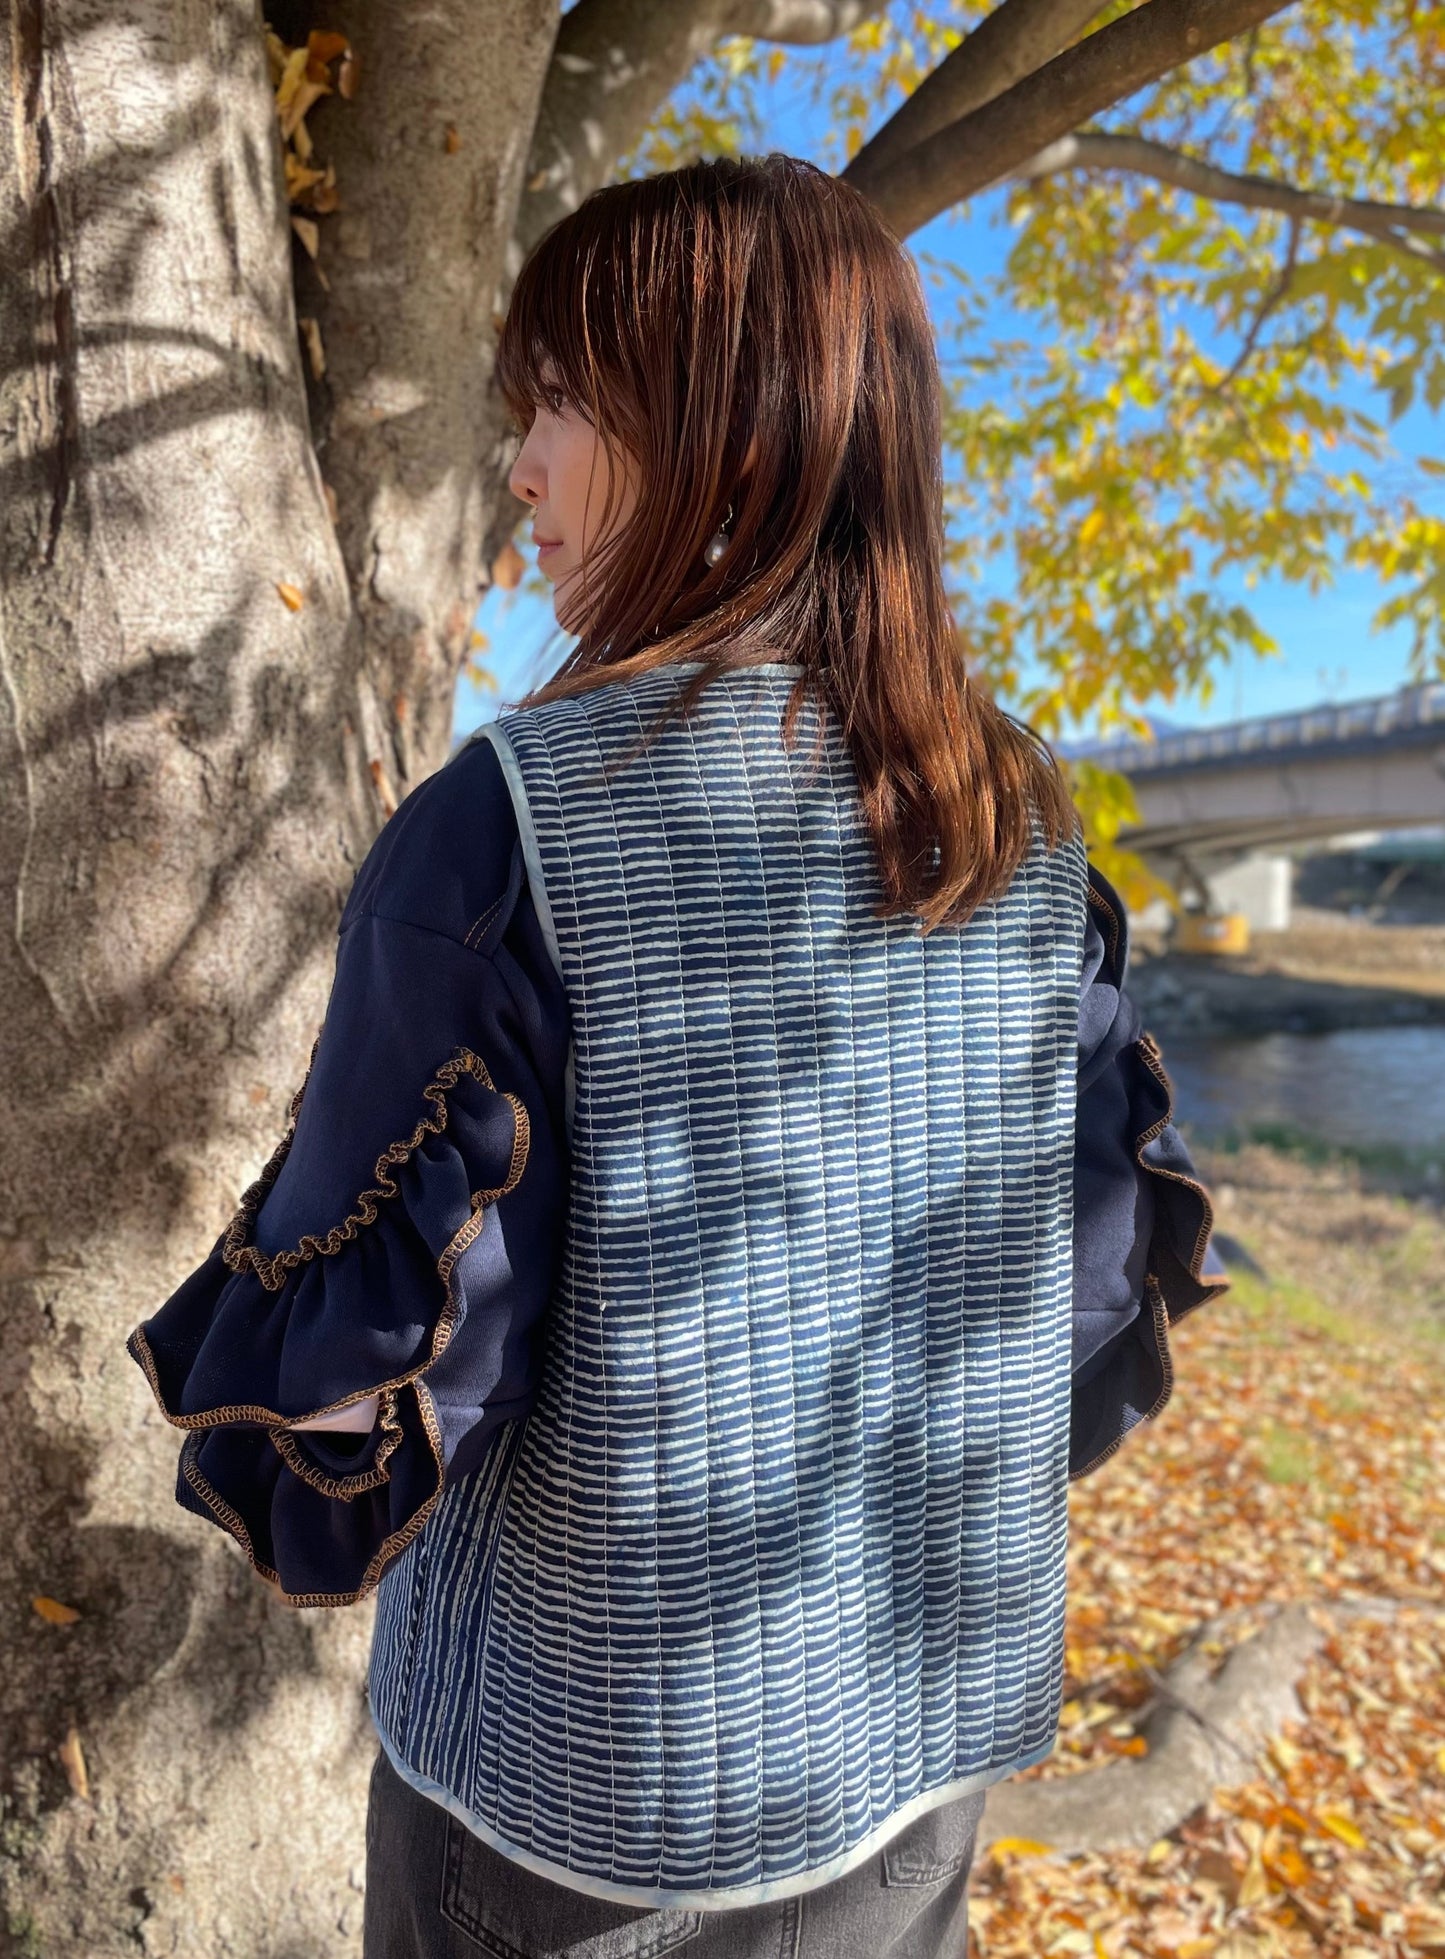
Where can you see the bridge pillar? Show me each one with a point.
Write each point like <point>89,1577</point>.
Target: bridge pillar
<point>1259,886</point>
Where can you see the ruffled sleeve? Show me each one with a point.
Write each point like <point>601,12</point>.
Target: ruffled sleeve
<point>401,1243</point>
<point>1142,1216</point>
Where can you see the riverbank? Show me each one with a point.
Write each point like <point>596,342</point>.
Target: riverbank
<point>1327,972</point>
<point>1300,1458</point>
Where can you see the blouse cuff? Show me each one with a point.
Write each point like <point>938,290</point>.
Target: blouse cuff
<point>254,1341</point>
<point>1131,1377</point>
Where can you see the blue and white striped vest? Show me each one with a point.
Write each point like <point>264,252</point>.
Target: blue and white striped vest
<point>777,1562</point>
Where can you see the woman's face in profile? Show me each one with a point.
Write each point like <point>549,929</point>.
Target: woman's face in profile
<point>563,470</point>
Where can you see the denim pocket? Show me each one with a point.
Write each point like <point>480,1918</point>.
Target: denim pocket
<point>937,1844</point>
<point>512,1913</point>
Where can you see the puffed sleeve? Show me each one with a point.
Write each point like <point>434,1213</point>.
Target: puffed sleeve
<point>1142,1217</point>
<point>401,1242</point>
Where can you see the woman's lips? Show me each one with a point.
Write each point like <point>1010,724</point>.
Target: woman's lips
<point>544,545</point>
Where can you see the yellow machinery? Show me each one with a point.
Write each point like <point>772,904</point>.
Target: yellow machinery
<point>1218,932</point>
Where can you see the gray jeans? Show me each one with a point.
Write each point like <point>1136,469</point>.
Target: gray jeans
<point>434,1890</point>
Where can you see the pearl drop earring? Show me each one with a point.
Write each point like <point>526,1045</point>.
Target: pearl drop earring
<point>719,541</point>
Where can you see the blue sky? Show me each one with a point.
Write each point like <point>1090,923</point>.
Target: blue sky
<point>1327,651</point>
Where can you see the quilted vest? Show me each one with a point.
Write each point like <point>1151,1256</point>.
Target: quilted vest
<point>776,1563</point>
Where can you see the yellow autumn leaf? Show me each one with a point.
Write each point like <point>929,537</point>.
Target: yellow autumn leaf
<point>1254,1886</point>
<point>303,99</point>
<point>1019,1847</point>
<point>1341,1826</point>
<point>291,78</point>
<point>1091,527</point>
<point>298,178</point>
<point>53,1612</point>
<point>1284,1752</point>
<point>292,597</point>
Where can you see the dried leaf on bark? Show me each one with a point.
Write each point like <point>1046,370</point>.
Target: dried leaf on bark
<point>301,76</point>
<point>53,1612</point>
<point>72,1760</point>
<point>315,351</point>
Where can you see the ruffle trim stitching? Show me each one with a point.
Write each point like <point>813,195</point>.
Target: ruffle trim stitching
<point>391,1548</point>
<point>1154,1293</point>
<point>345,1487</point>
<point>1101,903</point>
<point>241,1256</point>
<point>1153,1060</point>
<point>394,1545</point>
<point>1152,1056</point>
<point>463,1062</point>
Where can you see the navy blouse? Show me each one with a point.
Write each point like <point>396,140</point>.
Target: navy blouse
<point>404,1239</point>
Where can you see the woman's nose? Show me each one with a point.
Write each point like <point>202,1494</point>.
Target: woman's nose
<point>526,480</point>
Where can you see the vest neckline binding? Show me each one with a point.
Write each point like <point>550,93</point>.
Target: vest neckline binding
<point>793,667</point>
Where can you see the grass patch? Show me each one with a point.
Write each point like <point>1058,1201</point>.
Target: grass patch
<point>1285,1457</point>
<point>1276,1305</point>
<point>1412,1165</point>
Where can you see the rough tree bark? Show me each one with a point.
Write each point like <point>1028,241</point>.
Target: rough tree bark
<point>186,789</point>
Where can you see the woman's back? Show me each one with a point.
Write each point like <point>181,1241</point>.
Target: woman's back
<point>779,1552</point>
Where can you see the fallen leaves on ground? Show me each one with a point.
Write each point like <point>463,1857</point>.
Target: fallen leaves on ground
<point>1302,1456</point>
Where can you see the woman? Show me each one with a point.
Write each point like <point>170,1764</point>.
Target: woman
<point>731,1194</point>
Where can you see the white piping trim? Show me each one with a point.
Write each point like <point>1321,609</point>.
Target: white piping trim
<point>532,857</point>
<point>717,1899</point>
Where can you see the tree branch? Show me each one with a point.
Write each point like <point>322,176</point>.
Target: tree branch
<point>994,141</point>
<point>1101,150</point>
<point>1010,43</point>
<point>614,64</point>
<point>1279,287</point>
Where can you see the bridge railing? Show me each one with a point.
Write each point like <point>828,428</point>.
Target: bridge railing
<point>1316,727</point>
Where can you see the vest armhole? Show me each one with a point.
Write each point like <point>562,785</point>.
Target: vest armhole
<point>494,733</point>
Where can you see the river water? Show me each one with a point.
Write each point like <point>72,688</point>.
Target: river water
<point>1357,1088</point>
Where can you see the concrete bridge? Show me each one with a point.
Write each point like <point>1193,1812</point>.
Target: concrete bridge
<point>1210,798</point>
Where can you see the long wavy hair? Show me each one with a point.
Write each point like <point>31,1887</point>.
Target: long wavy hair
<point>688,312</point>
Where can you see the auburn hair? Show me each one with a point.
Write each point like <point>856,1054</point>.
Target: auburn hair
<point>686,313</point>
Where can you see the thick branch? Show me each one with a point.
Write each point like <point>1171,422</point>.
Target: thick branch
<point>614,65</point>
<point>1015,39</point>
<point>994,141</point>
<point>1103,151</point>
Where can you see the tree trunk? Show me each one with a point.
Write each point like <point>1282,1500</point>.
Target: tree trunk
<point>190,772</point>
